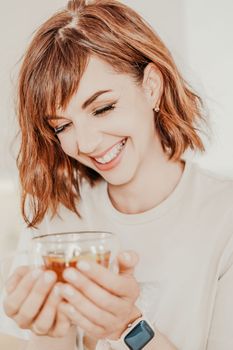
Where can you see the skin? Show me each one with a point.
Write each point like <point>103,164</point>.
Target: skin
<point>143,178</point>
<point>32,300</point>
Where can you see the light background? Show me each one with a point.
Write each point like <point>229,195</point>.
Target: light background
<point>200,36</point>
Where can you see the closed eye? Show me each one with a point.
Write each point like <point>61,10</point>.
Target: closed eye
<point>59,129</point>
<point>98,112</point>
<point>105,109</point>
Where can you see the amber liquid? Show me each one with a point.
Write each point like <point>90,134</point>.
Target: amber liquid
<point>57,263</point>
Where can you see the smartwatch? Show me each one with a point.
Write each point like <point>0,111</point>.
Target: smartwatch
<point>135,337</point>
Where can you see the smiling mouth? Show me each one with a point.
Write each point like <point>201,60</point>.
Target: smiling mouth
<point>112,154</point>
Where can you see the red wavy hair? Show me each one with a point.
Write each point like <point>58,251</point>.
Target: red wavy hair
<point>50,74</point>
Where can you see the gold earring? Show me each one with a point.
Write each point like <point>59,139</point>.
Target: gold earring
<point>156,109</point>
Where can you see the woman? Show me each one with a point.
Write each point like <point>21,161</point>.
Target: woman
<point>105,119</point>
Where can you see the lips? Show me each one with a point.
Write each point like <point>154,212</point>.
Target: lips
<point>110,158</point>
<point>109,149</point>
<point>112,153</point>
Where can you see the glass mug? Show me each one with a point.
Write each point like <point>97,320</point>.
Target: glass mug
<point>57,251</point>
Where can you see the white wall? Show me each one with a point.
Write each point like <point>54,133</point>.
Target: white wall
<point>18,20</point>
<point>209,34</point>
<point>199,34</point>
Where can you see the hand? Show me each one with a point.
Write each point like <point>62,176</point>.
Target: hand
<point>99,301</point>
<point>32,301</point>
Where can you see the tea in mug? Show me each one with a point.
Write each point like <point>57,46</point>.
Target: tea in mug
<point>58,262</point>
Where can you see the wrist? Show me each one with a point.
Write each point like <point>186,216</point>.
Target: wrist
<point>134,315</point>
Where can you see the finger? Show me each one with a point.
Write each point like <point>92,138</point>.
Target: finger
<point>35,300</point>
<point>61,326</point>
<point>13,302</point>
<point>115,284</point>
<point>95,293</point>
<point>78,319</point>
<point>15,278</point>
<point>46,318</point>
<point>127,262</point>
<point>87,308</point>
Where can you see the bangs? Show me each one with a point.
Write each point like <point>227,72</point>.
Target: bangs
<point>65,66</point>
<point>57,67</point>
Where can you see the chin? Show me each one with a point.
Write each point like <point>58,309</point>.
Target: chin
<point>118,179</point>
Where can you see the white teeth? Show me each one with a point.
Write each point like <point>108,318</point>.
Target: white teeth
<point>111,154</point>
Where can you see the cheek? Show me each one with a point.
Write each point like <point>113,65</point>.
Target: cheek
<point>68,146</point>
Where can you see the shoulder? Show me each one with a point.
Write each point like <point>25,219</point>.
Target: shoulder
<point>212,188</point>
<point>212,177</point>
<point>215,198</point>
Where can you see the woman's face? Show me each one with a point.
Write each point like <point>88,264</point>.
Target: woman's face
<point>108,124</point>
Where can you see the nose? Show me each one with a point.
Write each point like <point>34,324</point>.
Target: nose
<point>87,139</point>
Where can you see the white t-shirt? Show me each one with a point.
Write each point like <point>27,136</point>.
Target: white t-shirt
<point>185,246</point>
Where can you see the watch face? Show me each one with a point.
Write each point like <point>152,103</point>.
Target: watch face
<point>139,336</point>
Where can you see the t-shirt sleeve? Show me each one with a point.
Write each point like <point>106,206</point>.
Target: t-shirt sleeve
<point>221,330</point>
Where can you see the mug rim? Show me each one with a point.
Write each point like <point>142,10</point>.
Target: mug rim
<point>42,238</point>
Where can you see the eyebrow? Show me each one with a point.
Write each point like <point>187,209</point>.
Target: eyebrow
<point>85,104</point>
<point>94,97</point>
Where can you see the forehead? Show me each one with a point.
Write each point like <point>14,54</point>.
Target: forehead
<point>99,75</point>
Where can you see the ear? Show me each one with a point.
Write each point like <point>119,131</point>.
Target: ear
<point>152,84</point>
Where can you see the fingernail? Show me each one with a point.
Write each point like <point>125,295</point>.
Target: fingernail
<point>56,291</point>
<point>70,275</point>
<point>68,291</point>
<point>36,273</point>
<point>126,256</point>
<point>49,277</point>
<point>83,265</point>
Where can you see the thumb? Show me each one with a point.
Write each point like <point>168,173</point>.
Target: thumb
<point>127,261</point>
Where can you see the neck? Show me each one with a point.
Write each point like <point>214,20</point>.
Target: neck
<point>153,183</point>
